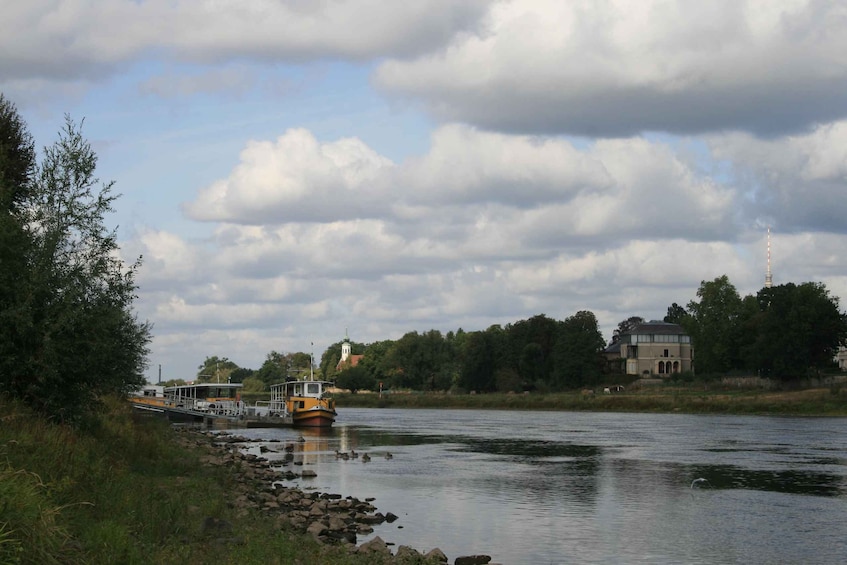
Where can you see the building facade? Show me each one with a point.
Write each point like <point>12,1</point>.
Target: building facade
<point>654,348</point>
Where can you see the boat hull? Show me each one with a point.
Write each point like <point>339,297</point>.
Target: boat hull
<point>313,418</point>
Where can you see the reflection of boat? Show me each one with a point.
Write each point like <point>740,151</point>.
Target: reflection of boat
<point>195,402</point>
<point>307,403</point>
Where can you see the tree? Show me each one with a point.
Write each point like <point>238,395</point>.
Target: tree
<point>17,170</point>
<point>240,375</point>
<point>715,328</point>
<point>799,329</point>
<point>355,379</point>
<point>273,370</point>
<point>480,359</point>
<point>625,327</point>
<point>676,315</point>
<point>215,370</point>
<point>17,158</point>
<point>74,336</point>
<point>577,359</point>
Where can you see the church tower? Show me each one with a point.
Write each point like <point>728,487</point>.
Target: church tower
<point>345,348</point>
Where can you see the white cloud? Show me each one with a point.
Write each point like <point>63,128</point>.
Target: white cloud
<point>484,228</point>
<point>294,179</point>
<point>620,67</point>
<point>794,182</point>
<point>63,40</point>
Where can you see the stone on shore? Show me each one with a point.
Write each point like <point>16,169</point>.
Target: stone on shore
<point>376,545</point>
<point>436,555</point>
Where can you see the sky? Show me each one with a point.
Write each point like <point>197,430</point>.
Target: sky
<point>294,171</point>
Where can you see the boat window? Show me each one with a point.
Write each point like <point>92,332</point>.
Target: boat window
<point>313,388</point>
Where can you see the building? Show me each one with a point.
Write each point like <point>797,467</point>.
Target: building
<point>347,358</point>
<point>653,348</point>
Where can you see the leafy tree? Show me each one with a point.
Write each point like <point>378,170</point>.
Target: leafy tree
<point>253,384</point>
<point>420,361</point>
<point>529,344</point>
<point>577,354</point>
<point>215,370</point>
<point>715,328</point>
<point>625,327</point>
<point>799,328</point>
<point>355,379</point>
<point>17,158</point>
<point>17,170</point>
<point>273,370</point>
<point>240,375</point>
<point>676,315</point>
<point>174,382</point>
<point>480,360</point>
<point>73,334</point>
<point>376,360</point>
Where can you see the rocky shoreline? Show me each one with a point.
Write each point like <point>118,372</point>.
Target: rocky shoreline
<point>329,518</point>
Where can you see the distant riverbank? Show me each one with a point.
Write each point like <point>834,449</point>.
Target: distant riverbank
<point>690,400</point>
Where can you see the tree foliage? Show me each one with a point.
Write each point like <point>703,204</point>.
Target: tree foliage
<point>355,379</point>
<point>715,328</point>
<point>625,327</point>
<point>797,329</point>
<point>216,370</point>
<point>69,334</point>
<point>786,332</point>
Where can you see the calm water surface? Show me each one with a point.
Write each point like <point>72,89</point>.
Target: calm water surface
<point>562,487</point>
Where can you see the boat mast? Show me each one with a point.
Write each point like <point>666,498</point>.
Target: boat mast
<point>312,363</point>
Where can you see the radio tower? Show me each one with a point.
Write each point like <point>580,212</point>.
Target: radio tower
<point>768,275</point>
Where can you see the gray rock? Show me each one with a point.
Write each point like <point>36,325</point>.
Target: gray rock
<point>316,529</point>
<point>436,555</point>
<point>376,545</point>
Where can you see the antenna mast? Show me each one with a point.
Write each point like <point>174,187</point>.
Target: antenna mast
<point>768,275</point>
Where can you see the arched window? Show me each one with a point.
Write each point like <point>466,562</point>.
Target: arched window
<point>676,366</point>
<point>661,367</point>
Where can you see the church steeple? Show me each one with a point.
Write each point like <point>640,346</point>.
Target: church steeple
<point>345,347</point>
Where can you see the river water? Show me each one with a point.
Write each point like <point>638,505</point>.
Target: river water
<point>563,487</point>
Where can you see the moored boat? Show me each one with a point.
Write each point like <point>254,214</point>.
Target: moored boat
<point>193,402</point>
<point>306,402</point>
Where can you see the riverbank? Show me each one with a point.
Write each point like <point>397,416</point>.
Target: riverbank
<point>655,399</point>
<point>130,489</point>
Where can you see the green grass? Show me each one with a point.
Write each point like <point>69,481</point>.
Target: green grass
<point>692,400</point>
<point>127,490</point>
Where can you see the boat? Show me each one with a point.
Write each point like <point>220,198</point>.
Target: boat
<point>196,402</point>
<point>306,402</point>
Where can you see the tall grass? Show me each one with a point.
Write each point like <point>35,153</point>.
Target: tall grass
<point>124,490</point>
<point>691,399</point>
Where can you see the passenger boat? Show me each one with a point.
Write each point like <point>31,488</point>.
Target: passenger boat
<point>193,402</point>
<point>306,402</point>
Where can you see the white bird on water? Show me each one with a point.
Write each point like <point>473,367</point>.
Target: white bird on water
<point>699,483</point>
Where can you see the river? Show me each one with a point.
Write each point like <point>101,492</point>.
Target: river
<point>564,487</point>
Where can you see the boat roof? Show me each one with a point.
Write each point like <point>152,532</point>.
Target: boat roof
<point>206,385</point>
<point>306,381</point>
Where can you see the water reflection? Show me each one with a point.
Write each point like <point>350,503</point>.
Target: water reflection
<point>589,488</point>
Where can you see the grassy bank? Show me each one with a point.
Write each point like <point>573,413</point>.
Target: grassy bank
<point>127,490</point>
<point>693,400</point>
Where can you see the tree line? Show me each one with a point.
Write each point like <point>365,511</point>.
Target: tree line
<point>785,332</point>
<point>68,334</point>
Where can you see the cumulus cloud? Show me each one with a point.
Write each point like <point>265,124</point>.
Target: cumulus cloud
<point>294,179</point>
<point>473,192</point>
<point>796,183</point>
<point>483,228</point>
<point>68,39</point>
<point>618,68</point>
